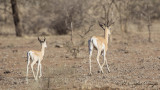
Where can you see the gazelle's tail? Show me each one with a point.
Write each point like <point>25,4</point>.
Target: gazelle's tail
<point>28,57</point>
<point>90,46</point>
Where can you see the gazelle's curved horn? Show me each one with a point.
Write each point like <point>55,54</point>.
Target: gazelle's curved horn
<point>44,39</point>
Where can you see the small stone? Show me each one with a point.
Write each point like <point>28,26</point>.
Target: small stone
<point>15,82</point>
<point>74,86</point>
<point>7,72</point>
<point>104,77</point>
<point>126,52</point>
<point>59,46</point>
<point>15,50</point>
<point>67,56</point>
<point>73,66</point>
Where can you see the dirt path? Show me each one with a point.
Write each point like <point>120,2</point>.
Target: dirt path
<point>134,64</point>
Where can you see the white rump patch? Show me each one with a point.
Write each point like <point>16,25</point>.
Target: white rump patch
<point>94,40</point>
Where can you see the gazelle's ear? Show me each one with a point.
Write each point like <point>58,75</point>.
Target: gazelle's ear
<point>101,25</point>
<point>39,39</point>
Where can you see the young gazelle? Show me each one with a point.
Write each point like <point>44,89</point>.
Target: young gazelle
<point>36,56</point>
<point>101,44</point>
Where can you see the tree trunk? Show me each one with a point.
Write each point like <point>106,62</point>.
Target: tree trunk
<point>120,16</point>
<point>149,29</point>
<point>5,9</point>
<point>16,18</point>
<point>72,33</point>
<point>126,25</point>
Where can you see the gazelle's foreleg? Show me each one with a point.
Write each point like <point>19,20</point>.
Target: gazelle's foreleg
<point>99,52</point>
<point>40,70</point>
<point>38,67</point>
<point>107,64</point>
<point>104,61</point>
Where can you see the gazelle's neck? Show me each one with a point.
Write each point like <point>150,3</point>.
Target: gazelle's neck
<point>106,34</point>
<point>42,50</point>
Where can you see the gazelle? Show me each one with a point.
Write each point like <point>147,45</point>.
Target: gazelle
<point>36,56</point>
<point>101,44</point>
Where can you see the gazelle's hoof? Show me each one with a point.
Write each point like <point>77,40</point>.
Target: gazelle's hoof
<point>90,74</point>
<point>109,71</point>
<point>26,82</point>
<point>100,71</point>
<point>40,76</point>
<point>36,79</point>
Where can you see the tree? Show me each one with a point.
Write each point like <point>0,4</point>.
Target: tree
<point>69,15</point>
<point>16,18</point>
<point>145,11</point>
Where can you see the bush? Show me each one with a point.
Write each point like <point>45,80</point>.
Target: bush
<point>59,26</point>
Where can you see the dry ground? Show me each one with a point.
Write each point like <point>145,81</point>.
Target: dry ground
<point>133,61</point>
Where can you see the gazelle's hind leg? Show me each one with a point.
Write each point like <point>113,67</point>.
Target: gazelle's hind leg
<point>32,64</point>
<point>28,60</point>
<point>90,46</point>
<point>38,66</point>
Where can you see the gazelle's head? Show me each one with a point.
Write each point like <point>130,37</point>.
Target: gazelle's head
<point>106,27</point>
<point>43,42</point>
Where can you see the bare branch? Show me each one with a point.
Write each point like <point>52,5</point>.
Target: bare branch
<point>89,29</point>
<point>108,22</point>
<point>108,13</point>
<point>86,31</point>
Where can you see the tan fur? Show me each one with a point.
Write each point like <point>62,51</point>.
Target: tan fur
<point>36,56</point>
<point>37,53</point>
<point>98,43</point>
<point>101,40</point>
